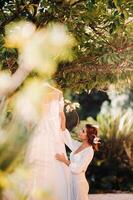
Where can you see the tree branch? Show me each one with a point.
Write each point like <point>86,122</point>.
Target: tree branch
<point>93,68</point>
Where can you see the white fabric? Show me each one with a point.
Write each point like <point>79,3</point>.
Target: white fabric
<point>78,166</point>
<point>46,172</point>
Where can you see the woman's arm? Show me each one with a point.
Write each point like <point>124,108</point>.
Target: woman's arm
<point>79,166</point>
<point>66,136</point>
<point>62,158</point>
<point>69,141</point>
<point>63,121</point>
<point>61,112</point>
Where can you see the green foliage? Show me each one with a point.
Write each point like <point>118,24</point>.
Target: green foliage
<point>87,80</point>
<point>103,30</point>
<point>113,164</point>
<point>13,139</point>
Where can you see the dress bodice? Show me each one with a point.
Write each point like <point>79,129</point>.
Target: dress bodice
<point>46,135</point>
<point>53,104</point>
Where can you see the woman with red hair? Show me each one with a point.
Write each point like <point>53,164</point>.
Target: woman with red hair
<point>80,157</point>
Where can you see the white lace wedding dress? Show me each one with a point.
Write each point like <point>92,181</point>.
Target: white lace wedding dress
<point>48,174</point>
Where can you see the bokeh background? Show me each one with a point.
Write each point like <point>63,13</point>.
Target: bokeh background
<point>84,48</point>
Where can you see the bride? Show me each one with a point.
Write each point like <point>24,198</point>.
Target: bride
<point>48,174</point>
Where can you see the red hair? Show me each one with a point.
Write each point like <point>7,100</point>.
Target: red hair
<point>91,135</point>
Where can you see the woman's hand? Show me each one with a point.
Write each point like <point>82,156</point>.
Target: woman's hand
<point>62,158</point>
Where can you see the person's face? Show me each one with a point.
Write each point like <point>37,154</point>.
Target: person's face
<point>82,134</point>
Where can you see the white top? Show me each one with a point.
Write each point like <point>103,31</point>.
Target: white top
<point>80,160</point>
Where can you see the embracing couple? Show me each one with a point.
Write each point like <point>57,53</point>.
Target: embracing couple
<point>51,170</point>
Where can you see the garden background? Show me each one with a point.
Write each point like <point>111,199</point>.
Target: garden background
<point>93,69</point>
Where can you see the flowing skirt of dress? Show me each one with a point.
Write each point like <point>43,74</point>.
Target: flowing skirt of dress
<point>47,174</point>
<point>79,187</point>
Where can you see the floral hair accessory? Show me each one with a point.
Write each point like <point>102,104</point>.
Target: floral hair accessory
<point>96,140</point>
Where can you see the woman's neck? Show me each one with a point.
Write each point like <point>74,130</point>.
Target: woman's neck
<point>85,143</point>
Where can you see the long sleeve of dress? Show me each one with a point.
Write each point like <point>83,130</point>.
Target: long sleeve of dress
<point>61,113</point>
<point>81,164</point>
<point>71,143</point>
<point>61,103</point>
